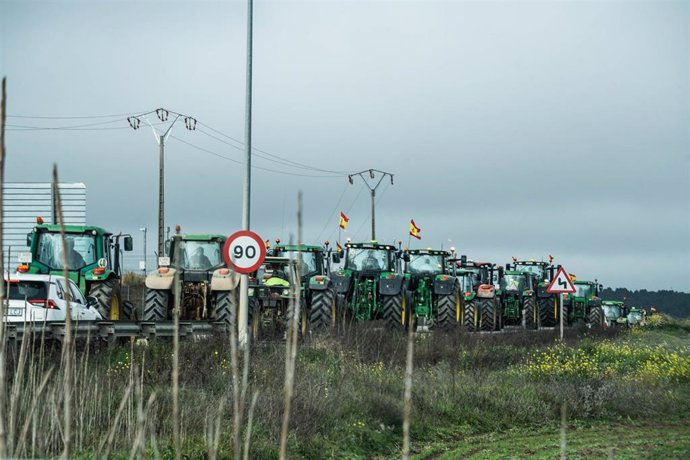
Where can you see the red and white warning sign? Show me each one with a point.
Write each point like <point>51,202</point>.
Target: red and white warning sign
<point>561,283</point>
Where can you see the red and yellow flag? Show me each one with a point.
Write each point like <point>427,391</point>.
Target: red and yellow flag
<point>338,248</point>
<point>414,230</point>
<point>343,220</point>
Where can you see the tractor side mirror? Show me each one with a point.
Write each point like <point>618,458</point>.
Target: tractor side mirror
<point>129,245</point>
<point>507,266</point>
<point>336,258</point>
<point>406,257</point>
<point>167,248</point>
<point>28,239</point>
<point>463,259</point>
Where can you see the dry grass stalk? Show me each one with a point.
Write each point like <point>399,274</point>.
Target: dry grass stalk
<point>292,338</point>
<point>108,442</point>
<point>407,398</point>
<point>3,391</point>
<point>67,352</point>
<point>250,419</point>
<point>234,357</point>
<point>176,361</point>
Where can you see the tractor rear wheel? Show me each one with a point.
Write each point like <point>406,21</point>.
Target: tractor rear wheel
<point>156,305</point>
<point>129,310</point>
<point>109,302</point>
<point>323,312</point>
<point>548,311</point>
<point>394,311</point>
<point>226,309</point>
<point>489,319</point>
<point>471,315</point>
<point>595,317</point>
<point>445,314</point>
<point>255,323</point>
<point>530,315</point>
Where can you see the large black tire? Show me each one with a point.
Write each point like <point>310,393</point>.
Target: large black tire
<point>446,311</point>
<point>490,316</point>
<point>254,319</point>
<point>130,310</point>
<point>109,301</point>
<point>595,317</point>
<point>394,311</point>
<point>530,315</point>
<point>302,320</point>
<point>548,311</point>
<point>225,310</point>
<point>471,315</point>
<point>323,311</point>
<point>156,305</point>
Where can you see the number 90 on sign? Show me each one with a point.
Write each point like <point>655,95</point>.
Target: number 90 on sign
<point>244,251</point>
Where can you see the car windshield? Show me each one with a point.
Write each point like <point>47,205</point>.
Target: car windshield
<point>28,290</point>
<point>612,311</point>
<point>200,255</point>
<point>81,250</point>
<point>359,259</point>
<point>534,269</point>
<point>311,261</point>
<point>515,283</point>
<point>583,290</point>
<point>425,264</point>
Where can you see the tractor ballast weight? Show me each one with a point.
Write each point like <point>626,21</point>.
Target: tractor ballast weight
<point>434,296</point>
<point>370,285</point>
<point>93,263</point>
<point>195,279</point>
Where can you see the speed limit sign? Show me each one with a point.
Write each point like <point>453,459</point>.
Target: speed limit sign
<point>244,251</point>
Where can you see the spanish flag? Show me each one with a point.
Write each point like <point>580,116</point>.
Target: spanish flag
<point>343,220</point>
<point>414,230</point>
<point>338,248</point>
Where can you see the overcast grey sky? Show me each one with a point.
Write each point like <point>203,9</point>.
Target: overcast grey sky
<point>512,128</point>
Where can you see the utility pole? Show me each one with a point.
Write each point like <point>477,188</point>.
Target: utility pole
<point>246,195</point>
<point>143,229</point>
<point>163,115</point>
<point>372,176</point>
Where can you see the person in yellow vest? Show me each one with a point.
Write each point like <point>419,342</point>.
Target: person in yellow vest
<point>277,276</point>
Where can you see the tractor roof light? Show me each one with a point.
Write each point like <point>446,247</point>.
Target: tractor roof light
<point>177,229</point>
<point>39,220</point>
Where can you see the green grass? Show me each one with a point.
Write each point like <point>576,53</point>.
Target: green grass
<point>472,396</point>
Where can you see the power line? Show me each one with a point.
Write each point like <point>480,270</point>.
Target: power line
<point>335,209</point>
<point>85,117</point>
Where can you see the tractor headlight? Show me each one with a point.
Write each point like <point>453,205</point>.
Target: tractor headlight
<point>286,292</point>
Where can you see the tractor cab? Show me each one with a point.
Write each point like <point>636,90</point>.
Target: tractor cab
<point>196,256</point>
<point>614,312</point>
<point>585,304</point>
<point>311,258</point>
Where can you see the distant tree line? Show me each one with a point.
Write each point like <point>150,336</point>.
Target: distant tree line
<point>668,302</point>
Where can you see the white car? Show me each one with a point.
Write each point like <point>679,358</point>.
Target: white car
<point>39,298</point>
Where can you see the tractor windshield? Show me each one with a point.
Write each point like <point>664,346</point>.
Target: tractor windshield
<point>583,290</point>
<point>466,282</point>
<point>311,261</point>
<point>425,264</point>
<point>537,270</point>
<point>515,282</point>
<point>364,259</point>
<point>81,250</point>
<point>200,255</point>
<point>612,311</point>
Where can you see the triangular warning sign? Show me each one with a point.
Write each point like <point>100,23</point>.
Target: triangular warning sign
<point>561,283</point>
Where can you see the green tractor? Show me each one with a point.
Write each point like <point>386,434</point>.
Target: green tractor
<point>636,317</point>
<point>542,274</point>
<point>317,288</point>
<point>615,313</point>
<point>370,285</point>
<point>584,306</point>
<point>479,308</point>
<point>272,293</point>
<point>93,262</point>
<point>517,299</point>
<point>433,293</point>
<point>205,289</point>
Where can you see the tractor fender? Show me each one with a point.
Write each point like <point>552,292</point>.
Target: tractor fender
<point>341,282</point>
<point>319,283</point>
<point>161,281</point>
<point>390,284</point>
<point>444,285</point>
<point>224,280</point>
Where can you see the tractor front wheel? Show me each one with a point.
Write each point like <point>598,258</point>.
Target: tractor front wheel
<point>226,309</point>
<point>471,315</point>
<point>446,311</point>
<point>595,317</point>
<point>490,320</point>
<point>109,302</point>
<point>394,311</point>
<point>323,311</point>
<point>530,315</point>
<point>548,311</point>
<point>156,305</point>
<point>302,319</point>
